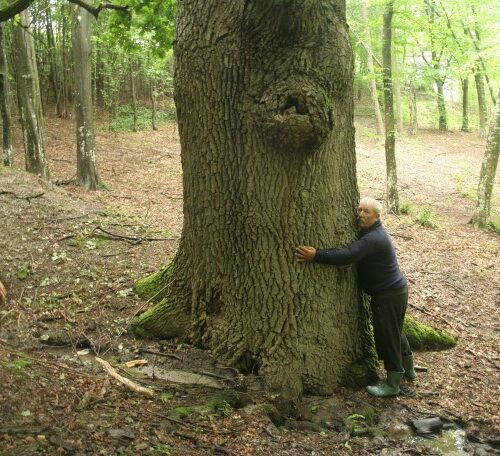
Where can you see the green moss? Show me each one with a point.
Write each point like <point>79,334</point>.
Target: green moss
<point>272,413</point>
<point>361,372</point>
<point>153,286</point>
<point>422,337</point>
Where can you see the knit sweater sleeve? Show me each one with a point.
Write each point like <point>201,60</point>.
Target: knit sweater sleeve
<point>351,254</point>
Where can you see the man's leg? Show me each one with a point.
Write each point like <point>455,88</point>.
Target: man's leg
<point>388,316</point>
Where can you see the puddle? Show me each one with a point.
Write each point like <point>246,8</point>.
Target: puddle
<point>178,376</point>
<point>451,442</point>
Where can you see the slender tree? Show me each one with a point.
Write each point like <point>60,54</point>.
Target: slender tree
<point>54,73</point>
<point>5,103</point>
<point>29,100</point>
<point>86,168</point>
<point>488,170</point>
<point>390,133</point>
<point>371,69</point>
<point>267,138</point>
<point>465,104</point>
<point>481,100</point>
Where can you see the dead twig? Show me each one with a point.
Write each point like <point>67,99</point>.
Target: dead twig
<point>133,239</point>
<point>439,317</point>
<point>125,381</point>
<point>166,354</point>
<point>487,358</point>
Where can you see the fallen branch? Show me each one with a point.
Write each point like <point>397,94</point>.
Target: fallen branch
<point>166,355</point>
<point>476,355</point>
<point>27,198</point>
<point>128,383</point>
<point>133,239</point>
<point>421,309</point>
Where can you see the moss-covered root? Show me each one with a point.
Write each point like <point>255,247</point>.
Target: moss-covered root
<point>162,321</point>
<point>153,287</point>
<point>422,337</point>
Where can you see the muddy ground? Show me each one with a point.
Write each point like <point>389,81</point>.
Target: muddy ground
<point>69,259</point>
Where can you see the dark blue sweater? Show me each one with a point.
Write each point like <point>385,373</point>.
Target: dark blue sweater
<point>375,259</point>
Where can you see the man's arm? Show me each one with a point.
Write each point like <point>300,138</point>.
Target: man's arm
<point>338,257</point>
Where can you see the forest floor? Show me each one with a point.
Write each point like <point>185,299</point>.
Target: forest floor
<point>69,259</point>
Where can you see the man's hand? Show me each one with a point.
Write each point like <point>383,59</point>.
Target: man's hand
<point>305,253</point>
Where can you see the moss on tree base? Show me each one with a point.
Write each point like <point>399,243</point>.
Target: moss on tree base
<point>422,337</point>
<point>154,286</point>
<point>160,322</point>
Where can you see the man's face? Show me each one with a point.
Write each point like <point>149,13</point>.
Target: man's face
<point>366,215</point>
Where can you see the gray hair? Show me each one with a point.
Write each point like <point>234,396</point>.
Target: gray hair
<point>373,203</point>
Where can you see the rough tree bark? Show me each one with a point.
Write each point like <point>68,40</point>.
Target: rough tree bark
<point>390,133</point>
<point>412,104</point>
<point>152,96</point>
<point>488,170</point>
<point>371,69</point>
<point>5,103</point>
<point>267,138</point>
<point>86,169</point>
<point>29,100</point>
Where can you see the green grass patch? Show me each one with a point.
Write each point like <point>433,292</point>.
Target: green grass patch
<point>123,119</point>
<point>426,217</point>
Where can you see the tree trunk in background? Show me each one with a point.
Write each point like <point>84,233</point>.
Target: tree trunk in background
<point>488,170</point>
<point>64,68</point>
<point>86,169</point>
<point>390,134</point>
<point>133,93</point>
<point>51,47</point>
<point>29,100</point>
<point>152,95</point>
<point>443,116</point>
<point>5,103</point>
<point>396,85</point>
<point>371,69</point>
<point>465,104</point>
<point>268,158</point>
<point>412,102</point>
<point>481,100</point>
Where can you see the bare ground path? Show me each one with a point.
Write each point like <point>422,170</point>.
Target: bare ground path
<point>69,283</point>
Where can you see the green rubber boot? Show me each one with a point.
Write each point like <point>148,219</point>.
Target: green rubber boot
<point>410,373</point>
<point>389,388</point>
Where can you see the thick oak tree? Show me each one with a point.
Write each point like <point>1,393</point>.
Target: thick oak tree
<point>265,108</point>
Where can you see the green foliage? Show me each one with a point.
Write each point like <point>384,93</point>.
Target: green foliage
<point>406,207</point>
<point>19,367</point>
<point>124,121</point>
<point>162,449</point>
<point>426,217</point>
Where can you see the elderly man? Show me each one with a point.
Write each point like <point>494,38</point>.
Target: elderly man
<point>380,277</point>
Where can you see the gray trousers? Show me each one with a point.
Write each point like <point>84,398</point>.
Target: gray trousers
<point>388,309</point>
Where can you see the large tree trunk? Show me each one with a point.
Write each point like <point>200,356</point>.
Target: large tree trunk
<point>29,100</point>
<point>5,103</point>
<point>267,136</point>
<point>390,133</point>
<point>86,169</point>
<point>371,69</point>
<point>488,170</point>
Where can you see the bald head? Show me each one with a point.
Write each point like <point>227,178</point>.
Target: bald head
<point>372,203</point>
<point>369,210</point>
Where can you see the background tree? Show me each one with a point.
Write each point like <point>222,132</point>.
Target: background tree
<point>267,166</point>
<point>5,103</point>
<point>488,170</point>
<point>86,169</point>
<point>390,130</point>
<point>29,100</point>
